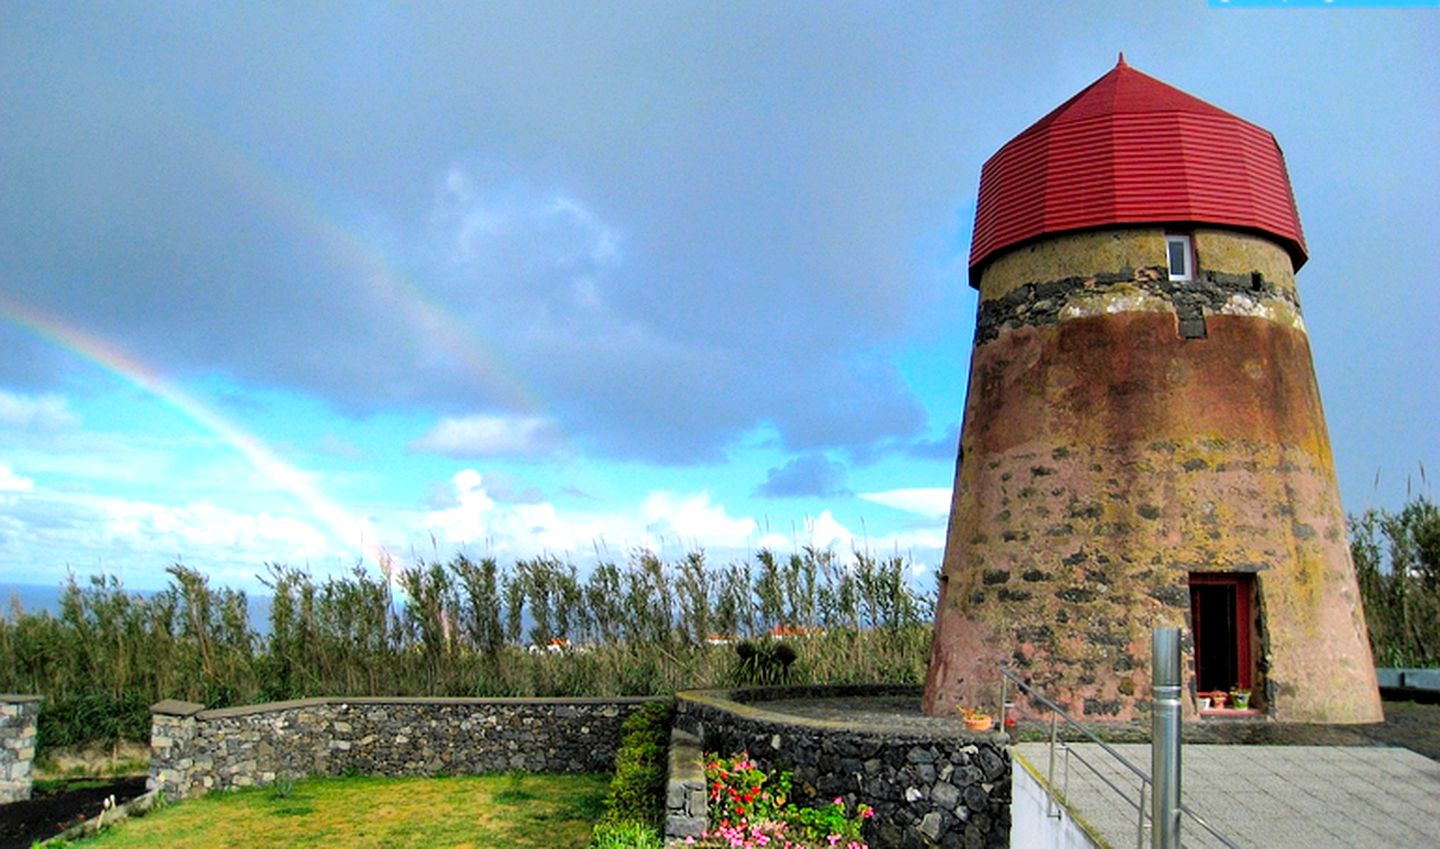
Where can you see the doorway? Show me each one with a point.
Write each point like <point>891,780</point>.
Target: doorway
<point>1220,607</point>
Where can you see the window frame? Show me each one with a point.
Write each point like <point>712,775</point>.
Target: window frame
<point>1188,252</point>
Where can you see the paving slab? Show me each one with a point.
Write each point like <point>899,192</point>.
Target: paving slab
<point>1259,797</point>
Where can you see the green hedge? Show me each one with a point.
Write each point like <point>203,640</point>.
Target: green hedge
<point>635,805</point>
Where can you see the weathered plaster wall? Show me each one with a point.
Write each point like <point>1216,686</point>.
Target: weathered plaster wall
<point>948,788</point>
<point>18,717</point>
<point>1122,431</point>
<point>194,751</point>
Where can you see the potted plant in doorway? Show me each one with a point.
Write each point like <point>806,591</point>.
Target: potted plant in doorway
<point>1240,697</point>
<point>1218,699</point>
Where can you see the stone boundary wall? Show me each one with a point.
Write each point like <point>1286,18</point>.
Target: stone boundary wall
<point>929,786</point>
<point>18,717</point>
<point>194,751</point>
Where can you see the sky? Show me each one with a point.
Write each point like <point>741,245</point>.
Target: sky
<point>325,283</point>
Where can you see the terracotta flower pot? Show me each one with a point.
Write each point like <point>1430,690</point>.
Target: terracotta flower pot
<point>979,723</point>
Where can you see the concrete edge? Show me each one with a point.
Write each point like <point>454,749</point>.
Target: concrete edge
<point>176,707</point>
<point>724,700</point>
<point>1034,771</point>
<point>18,699</point>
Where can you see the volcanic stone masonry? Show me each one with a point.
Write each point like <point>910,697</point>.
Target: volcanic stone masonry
<point>195,751</point>
<point>18,717</point>
<point>928,788</point>
<point>1143,441</point>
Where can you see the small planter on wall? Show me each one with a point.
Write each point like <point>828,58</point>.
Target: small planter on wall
<point>1240,699</point>
<point>976,719</point>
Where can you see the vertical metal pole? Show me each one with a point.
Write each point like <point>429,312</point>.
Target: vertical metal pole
<point>1003,681</point>
<point>1165,738</point>
<point>1050,776</point>
<point>1140,824</point>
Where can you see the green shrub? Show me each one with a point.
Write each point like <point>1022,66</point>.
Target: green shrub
<point>626,835</point>
<point>762,663</point>
<point>636,801</point>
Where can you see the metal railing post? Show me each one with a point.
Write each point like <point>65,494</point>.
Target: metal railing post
<point>1165,738</point>
<point>1003,682</point>
<point>1140,824</point>
<point>1057,713</point>
<point>1050,777</point>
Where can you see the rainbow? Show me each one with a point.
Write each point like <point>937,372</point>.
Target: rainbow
<point>351,533</point>
<point>386,282</point>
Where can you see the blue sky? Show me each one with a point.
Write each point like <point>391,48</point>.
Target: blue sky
<point>307,284</point>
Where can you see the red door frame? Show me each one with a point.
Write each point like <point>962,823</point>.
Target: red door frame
<point>1244,585</point>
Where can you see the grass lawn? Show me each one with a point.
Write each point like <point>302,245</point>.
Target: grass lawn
<point>511,811</point>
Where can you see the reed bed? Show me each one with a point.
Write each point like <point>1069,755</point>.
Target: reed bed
<point>460,628</point>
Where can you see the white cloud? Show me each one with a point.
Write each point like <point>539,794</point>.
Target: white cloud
<point>933,502</point>
<point>522,529</point>
<point>510,528</point>
<point>826,532</point>
<point>45,412</point>
<point>201,528</point>
<point>694,519</point>
<point>87,531</point>
<point>490,436</point>
<point>12,482</point>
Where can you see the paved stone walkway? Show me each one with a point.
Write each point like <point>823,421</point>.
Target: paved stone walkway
<point>1266,797</point>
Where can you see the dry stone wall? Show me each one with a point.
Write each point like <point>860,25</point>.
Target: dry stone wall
<point>195,751</point>
<point>18,715</point>
<point>946,788</point>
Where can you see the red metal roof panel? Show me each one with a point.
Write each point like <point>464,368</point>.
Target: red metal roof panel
<point>1129,149</point>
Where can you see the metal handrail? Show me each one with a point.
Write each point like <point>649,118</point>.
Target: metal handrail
<point>1057,711</point>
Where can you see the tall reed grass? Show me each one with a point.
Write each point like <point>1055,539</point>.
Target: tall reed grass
<point>465,627</point>
<point>1397,562</point>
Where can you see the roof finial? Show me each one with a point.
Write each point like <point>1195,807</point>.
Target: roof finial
<point>1120,63</point>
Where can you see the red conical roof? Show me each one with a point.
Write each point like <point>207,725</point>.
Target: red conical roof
<point>1129,149</point>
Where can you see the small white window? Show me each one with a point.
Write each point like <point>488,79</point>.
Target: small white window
<point>1177,249</point>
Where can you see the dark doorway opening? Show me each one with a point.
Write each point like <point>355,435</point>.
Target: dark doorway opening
<point>1220,615</point>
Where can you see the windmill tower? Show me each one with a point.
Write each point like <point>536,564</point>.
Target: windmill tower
<point>1143,442</point>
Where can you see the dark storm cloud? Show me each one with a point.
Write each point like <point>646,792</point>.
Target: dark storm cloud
<point>808,475</point>
<point>667,228</point>
<point>677,221</point>
<point>941,448</point>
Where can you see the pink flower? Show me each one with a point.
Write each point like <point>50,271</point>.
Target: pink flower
<point>840,800</point>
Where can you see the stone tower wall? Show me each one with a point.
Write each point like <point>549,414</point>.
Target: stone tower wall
<point>1121,432</point>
